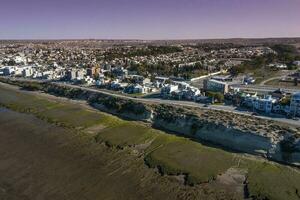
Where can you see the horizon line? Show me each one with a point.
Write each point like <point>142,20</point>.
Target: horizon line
<point>132,39</point>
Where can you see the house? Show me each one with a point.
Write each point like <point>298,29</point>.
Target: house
<point>137,88</point>
<point>27,71</point>
<point>160,80</point>
<point>264,104</point>
<point>1,71</point>
<point>8,70</point>
<point>119,72</point>
<point>117,85</point>
<point>278,66</point>
<point>279,108</point>
<point>75,74</point>
<point>168,89</point>
<point>89,80</point>
<point>278,94</point>
<point>80,74</point>
<point>191,92</point>
<point>93,71</point>
<point>295,104</point>
<point>297,63</point>
<point>139,79</point>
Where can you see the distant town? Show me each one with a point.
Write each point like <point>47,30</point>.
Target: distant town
<point>260,78</point>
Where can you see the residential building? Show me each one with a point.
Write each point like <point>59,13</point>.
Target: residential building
<point>168,89</point>
<point>215,86</point>
<point>93,71</point>
<point>297,63</point>
<point>278,94</point>
<point>8,70</point>
<point>264,104</point>
<point>295,104</point>
<point>27,72</point>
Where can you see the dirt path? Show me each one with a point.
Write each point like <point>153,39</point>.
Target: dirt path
<point>270,79</point>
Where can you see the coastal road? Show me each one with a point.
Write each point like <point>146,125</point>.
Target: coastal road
<point>231,109</point>
<point>263,89</point>
<point>192,104</point>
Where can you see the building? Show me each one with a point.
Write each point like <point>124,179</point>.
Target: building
<point>27,72</point>
<point>215,86</point>
<point>297,63</point>
<point>227,78</point>
<point>8,70</point>
<point>71,74</point>
<point>159,82</point>
<point>138,89</point>
<point>93,71</point>
<point>278,94</point>
<point>264,104</point>
<point>1,71</point>
<point>75,74</point>
<point>278,66</point>
<point>168,89</point>
<point>80,74</point>
<point>295,104</point>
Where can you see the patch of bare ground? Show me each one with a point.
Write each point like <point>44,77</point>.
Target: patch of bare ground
<point>233,178</point>
<point>94,130</point>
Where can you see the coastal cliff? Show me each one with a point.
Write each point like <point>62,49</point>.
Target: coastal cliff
<point>278,142</point>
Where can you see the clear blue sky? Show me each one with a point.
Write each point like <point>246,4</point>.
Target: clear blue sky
<point>148,19</point>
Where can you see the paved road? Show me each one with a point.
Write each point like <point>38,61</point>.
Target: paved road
<point>263,89</point>
<point>183,103</point>
<point>270,79</point>
<point>189,104</point>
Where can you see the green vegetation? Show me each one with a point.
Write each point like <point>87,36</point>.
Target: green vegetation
<point>219,97</point>
<point>208,47</point>
<point>279,83</point>
<point>127,134</point>
<point>113,104</point>
<point>182,156</point>
<point>276,182</point>
<point>61,113</point>
<point>286,53</point>
<point>171,154</point>
<point>170,69</point>
<point>259,66</point>
<point>149,51</point>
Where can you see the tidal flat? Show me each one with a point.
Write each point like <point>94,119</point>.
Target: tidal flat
<point>51,148</point>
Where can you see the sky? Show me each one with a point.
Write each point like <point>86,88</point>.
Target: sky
<point>148,19</point>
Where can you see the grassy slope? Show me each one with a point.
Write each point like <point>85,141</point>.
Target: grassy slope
<point>171,154</point>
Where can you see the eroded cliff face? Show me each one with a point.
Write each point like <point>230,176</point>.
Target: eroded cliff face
<point>242,133</point>
<point>275,142</point>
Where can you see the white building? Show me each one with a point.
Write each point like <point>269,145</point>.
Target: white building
<point>278,66</point>
<point>297,63</point>
<point>8,70</point>
<point>261,104</point>
<point>20,59</point>
<point>168,89</point>
<point>89,80</point>
<point>264,104</point>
